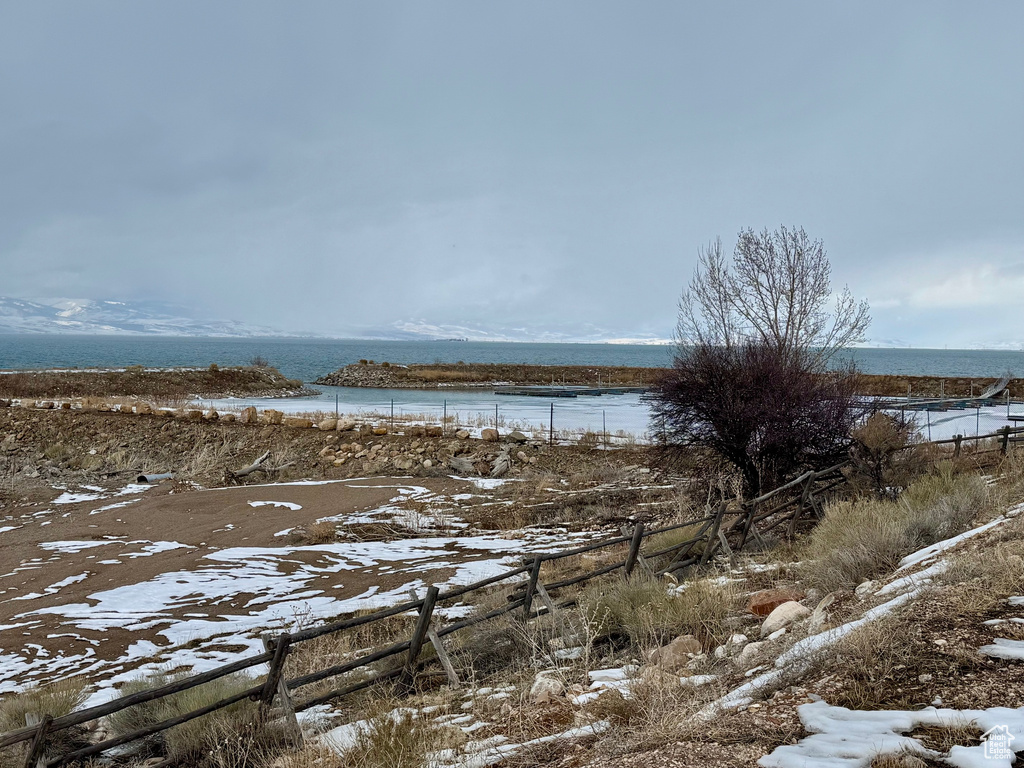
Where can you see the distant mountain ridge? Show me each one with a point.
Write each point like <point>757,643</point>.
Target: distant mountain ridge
<point>88,316</point>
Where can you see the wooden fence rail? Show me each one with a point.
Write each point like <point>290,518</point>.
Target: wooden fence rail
<point>714,530</point>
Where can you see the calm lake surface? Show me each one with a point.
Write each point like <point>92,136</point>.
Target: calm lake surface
<point>308,359</point>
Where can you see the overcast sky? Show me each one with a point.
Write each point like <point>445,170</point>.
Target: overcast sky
<point>545,166</point>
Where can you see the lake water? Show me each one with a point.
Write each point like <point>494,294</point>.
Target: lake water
<point>308,359</point>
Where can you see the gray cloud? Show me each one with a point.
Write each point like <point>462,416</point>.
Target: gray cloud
<point>338,166</point>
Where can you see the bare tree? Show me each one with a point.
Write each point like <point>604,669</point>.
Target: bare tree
<point>757,408</point>
<point>754,382</point>
<point>776,291</point>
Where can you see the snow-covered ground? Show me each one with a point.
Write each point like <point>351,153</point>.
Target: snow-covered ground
<point>627,413</point>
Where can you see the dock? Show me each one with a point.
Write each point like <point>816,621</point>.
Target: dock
<point>545,390</point>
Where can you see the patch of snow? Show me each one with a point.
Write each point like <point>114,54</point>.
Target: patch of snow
<point>284,504</point>
<point>117,505</point>
<point>1002,648</point>
<point>843,738</point>
<point>918,579</point>
<point>934,549</point>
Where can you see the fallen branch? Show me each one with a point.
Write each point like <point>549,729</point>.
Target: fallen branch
<point>237,474</point>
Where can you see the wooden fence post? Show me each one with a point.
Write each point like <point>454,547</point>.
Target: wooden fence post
<point>634,549</point>
<point>1004,440</point>
<point>748,524</point>
<point>442,653</point>
<point>418,636</point>
<point>277,685</point>
<point>36,750</point>
<point>709,548</point>
<point>801,505</point>
<point>531,586</point>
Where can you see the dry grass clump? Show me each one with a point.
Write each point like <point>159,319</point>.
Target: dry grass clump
<point>57,699</point>
<point>987,575</point>
<point>649,614</point>
<point>863,538</point>
<point>321,532</point>
<point>677,539</point>
<point>394,739</point>
<point>231,736</point>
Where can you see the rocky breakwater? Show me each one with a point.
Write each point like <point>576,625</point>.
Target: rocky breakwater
<point>364,375</point>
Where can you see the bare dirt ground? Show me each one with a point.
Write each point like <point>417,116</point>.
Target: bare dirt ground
<point>111,580</point>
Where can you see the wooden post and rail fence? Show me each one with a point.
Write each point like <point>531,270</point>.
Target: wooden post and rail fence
<point>785,505</point>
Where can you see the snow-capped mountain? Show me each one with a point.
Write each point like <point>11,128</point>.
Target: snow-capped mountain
<point>114,317</point>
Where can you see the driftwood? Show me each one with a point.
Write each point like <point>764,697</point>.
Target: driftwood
<point>461,465</point>
<point>256,466</point>
<point>235,474</point>
<point>502,462</point>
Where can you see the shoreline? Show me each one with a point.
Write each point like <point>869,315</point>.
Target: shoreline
<point>475,376</point>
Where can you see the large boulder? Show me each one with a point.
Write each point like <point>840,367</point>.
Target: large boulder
<point>490,435</point>
<point>248,415</point>
<point>296,423</point>
<point>270,416</point>
<point>344,425</point>
<point>783,616</point>
<point>434,430</point>
<point>517,437</point>
<point>767,600</point>
<point>462,434</point>
<point>327,425</point>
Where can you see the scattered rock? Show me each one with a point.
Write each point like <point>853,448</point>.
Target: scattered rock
<point>750,651</point>
<point>783,616</point>
<point>676,654</point>
<point>820,615</point>
<point>764,602</point>
<point>517,437</point>
<point>227,418</point>
<point>865,589</point>
<point>546,685</point>
<point>462,434</point>
<point>380,431</point>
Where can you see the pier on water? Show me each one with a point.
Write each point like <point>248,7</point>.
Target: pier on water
<point>563,390</point>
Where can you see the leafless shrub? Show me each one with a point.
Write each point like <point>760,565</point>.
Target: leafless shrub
<point>886,455</point>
